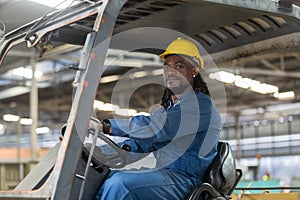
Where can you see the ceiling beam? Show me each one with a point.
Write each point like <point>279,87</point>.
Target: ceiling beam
<point>284,42</point>
<point>269,73</point>
<point>265,56</point>
<point>269,65</point>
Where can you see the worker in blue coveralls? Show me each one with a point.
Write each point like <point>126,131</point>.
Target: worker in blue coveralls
<point>182,134</point>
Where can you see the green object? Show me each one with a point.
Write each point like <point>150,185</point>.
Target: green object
<point>265,185</point>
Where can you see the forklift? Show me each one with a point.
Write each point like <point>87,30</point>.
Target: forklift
<point>72,170</point>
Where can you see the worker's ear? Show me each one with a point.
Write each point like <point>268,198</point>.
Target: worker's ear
<point>195,71</point>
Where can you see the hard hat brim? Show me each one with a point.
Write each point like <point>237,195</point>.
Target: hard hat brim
<point>199,62</point>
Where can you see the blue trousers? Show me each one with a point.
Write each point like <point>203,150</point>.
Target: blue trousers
<point>152,184</point>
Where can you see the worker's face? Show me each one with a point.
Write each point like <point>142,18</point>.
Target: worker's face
<point>178,73</point>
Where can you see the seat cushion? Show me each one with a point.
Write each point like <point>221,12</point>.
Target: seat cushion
<point>221,173</point>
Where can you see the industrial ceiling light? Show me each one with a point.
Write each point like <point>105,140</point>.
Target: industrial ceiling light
<point>125,112</point>
<point>285,95</point>
<point>109,79</point>
<point>98,104</point>
<point>11,118</point>
<point>108,107</point>
<point>223,76</point>
<point>25,72</point>
<point>141,113</point>
<point>242,82</point>
<point>247,83</point>
<point>42,130</point>
<point>157,72</point>
<point>26,121</point>
<point>2,129</point>
<point>263,88</point>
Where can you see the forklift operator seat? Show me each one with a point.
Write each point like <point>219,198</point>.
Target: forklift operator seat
<point>220,178</point>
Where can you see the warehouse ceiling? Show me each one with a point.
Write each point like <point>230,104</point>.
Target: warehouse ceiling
<point>253,44</point>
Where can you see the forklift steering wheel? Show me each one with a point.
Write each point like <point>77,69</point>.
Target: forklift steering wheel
<point>116,160</point>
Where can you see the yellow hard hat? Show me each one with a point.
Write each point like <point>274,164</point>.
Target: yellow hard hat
<point>183,46</point>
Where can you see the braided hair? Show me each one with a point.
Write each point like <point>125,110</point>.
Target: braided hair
<point>198,86</point>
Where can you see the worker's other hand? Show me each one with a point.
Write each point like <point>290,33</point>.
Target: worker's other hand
<point>62,132</point>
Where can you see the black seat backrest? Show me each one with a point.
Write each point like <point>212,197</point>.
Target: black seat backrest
<point>221,173</point>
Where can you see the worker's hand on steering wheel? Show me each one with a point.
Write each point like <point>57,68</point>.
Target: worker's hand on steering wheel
<point>105,126</point>
<point>115,160</point>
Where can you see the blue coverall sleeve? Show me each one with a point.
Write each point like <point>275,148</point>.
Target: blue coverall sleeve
<point>144,128</point>
<point>187,117</point>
